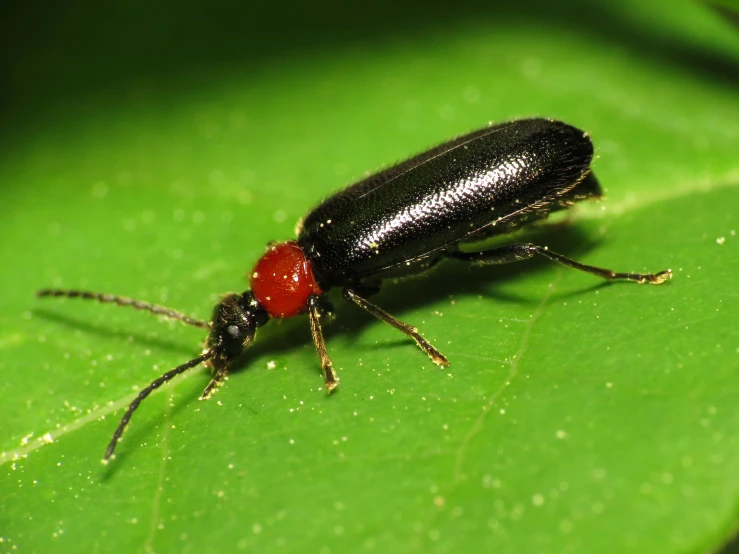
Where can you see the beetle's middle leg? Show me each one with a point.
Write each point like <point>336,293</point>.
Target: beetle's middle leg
<point>437,357</point>
<point>524,251</point>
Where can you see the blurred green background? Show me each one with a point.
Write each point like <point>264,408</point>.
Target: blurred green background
<point>153,149</point>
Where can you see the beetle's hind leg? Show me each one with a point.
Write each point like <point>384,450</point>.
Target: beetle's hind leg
<point>316,309</point>
<point>437,357</point>
<point>523,251</point>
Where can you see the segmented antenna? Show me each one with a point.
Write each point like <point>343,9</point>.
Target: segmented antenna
<point>155,384</point>
<point>125,301</point>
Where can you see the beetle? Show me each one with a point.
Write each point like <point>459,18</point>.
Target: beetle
<point>395,223</point>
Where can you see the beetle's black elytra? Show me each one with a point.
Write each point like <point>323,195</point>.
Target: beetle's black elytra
<point>399,222</point>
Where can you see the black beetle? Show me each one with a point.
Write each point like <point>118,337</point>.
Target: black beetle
<point>395,223</point>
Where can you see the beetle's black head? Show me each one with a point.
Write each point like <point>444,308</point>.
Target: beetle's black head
<point>234,324</point>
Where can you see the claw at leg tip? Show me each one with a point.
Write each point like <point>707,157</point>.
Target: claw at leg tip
<point>662,276</point>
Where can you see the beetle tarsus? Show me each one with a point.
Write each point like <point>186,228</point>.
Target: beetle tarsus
<point>659,278</point>
<point>437,357</point>
<point>215,383</point>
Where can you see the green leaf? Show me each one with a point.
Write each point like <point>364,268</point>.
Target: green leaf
<point>154,152</point>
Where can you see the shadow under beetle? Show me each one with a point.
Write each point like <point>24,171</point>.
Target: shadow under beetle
<point>395,223</point>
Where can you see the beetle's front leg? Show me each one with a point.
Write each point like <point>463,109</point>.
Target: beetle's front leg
<point>315,312</point>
